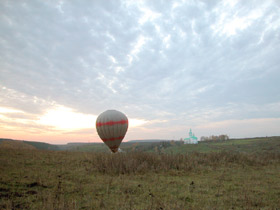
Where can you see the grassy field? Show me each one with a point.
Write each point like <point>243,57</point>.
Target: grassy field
<point>264,144</point>
<point>251,145</point>
<point>228,179</point>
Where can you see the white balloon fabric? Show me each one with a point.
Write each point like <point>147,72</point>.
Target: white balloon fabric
<point>111,127</point>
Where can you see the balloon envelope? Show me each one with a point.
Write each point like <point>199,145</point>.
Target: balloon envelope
<point>111,127</point>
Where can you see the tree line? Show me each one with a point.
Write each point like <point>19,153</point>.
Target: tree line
<point>222,137</point>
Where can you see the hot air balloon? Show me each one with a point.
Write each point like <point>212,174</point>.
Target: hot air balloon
<point>111,127</point>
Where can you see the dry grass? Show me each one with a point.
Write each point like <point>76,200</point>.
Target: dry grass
<point>31,179</point>
<point>139,163</point>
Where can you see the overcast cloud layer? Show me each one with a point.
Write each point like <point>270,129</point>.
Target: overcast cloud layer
<point>210,65</point>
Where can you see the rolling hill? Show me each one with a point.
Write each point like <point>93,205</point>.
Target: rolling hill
<point>22,144</point>
<point>247,145</point>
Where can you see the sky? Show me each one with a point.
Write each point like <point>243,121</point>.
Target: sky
<point>212,66</point>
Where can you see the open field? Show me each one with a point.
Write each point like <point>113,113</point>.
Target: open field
<point>250,145</point>
<point>36,179</point>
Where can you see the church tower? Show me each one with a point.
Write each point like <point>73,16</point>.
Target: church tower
<point>190,133</point>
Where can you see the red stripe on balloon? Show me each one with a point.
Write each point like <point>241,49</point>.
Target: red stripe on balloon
<point>122,122</point>
<point>113,139</point>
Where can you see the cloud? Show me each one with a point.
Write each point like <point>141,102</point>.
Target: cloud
<point>243,128</point>
<point>181,63</point>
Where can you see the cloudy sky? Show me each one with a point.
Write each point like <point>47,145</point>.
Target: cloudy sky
<point>212,66</point>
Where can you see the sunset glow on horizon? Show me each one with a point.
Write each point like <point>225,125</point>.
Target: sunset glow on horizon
<point>56,123</point>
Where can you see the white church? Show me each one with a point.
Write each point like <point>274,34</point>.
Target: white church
<point>192,138</point>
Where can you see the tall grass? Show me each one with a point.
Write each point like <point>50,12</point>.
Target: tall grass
<point>33,179</point>
<point>139,163</point>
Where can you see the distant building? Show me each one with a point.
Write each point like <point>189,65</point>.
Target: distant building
<point>192,138</point>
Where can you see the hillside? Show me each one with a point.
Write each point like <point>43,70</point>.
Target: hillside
<point>270,144</point>
<point>249,145</point>
<point>147,140</point>
<point>8,144</point>
<point>42,146</point>
<point>22,144</point>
